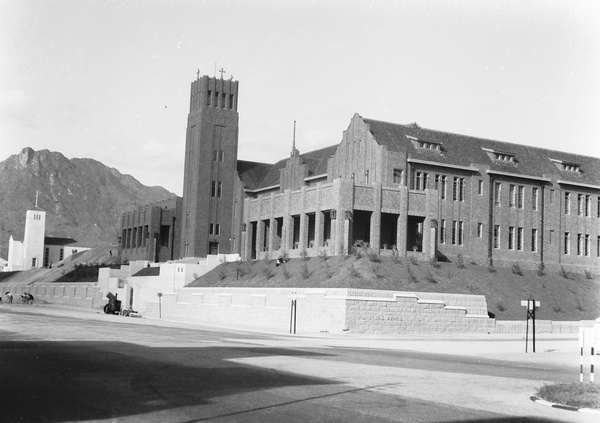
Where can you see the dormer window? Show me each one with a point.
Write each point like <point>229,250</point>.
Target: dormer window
<point>501,156</point>
<point>426,144</point>
<point>568,166</point>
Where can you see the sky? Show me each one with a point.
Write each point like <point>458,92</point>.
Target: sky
<point>110,79</point>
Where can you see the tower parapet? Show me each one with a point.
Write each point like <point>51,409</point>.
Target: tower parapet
<point>213,92</point>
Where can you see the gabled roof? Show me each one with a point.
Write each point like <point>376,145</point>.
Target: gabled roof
<point>263,175</point>
<point>464,150</point>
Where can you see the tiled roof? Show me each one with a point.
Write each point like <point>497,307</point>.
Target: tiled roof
<point>463,150</point>
<point>315,160</point>
<point>252,173</point>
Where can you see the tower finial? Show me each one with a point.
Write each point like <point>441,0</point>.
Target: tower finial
<point>198,74</point>
<point>36,199</point>
<point>222,72</point>
<point>294,151</point>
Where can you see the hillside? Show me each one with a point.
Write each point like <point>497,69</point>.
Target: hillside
<point>82,197</point>
<point>563,296</point>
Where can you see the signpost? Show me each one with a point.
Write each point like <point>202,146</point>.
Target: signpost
<point>293,313</point>
<point>531,305</point>
<point>159,295</point>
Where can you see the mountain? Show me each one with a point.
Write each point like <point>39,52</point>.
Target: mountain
<point>83,198</point>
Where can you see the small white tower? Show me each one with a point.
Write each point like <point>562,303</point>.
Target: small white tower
<point>33,240</point>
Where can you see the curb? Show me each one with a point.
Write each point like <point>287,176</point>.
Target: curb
<point>540,401</point>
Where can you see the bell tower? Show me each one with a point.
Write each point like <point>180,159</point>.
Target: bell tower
<point>210,166</point>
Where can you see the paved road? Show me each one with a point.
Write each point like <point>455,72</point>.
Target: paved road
<point>58,368</point>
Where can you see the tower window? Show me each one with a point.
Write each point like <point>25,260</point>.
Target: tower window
<point>218,155</point>
<point>217,189</point>
<point>209,98</point>
<point>479,230</point>
<point>223,100</point>
<point>230,101</point>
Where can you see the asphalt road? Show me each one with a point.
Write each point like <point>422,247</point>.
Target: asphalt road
<point>56,369</point>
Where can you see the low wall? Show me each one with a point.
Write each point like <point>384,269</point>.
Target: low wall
<point>81,294</point>
<point>332,310</point>
<point>513,327</point>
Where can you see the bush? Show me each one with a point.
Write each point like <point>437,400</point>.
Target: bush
<point>396,256</point>
<point>222,275</point>
<point>373,256</point>
<point>284,256</point>
<point>304,272</point>
<point>565,273</point>
<point>354,271</point>
<point>430,277</point>
<point>286,273</point>
<point>588,274</point>
<point>516,269</point>
<point>460,261</point>
<point>376,270</point>
<point>323,254</point>
<point>413,260</point>
<point>304,254</point>
<point>541,269</point>
<point>411,276</point>
<point>434,263</point>
<point>268,272</point>
<point>500,306</point>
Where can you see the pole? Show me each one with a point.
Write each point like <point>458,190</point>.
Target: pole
<point>527,329</point>
<point>533,314</point>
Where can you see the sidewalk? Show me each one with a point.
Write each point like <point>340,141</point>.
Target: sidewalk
<point>553,349</point>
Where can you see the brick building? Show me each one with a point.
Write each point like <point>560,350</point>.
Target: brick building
<point>151,232</point>
<point>428,193</point>
<point>397,187</point>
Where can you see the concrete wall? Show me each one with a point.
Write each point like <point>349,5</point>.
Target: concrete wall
<point>331,310</point>
<point>80,294</point>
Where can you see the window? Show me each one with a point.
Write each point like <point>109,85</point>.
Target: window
<point>454,232</point>
<point>534,240</point>
<point>534,199</point>
<point>521,197</point>
<point>567,203</point>
<point>134,238</point>
<point>551,197</point>
<point>217,189</point>
<point>461,228</point>
<point>512,195</point>
<point>367,177</point>
<point>497,192</point>
<point>33,262</point>
<point>511,237</point>
<point>588,206</point>
<point>551,236</point>
<point>598,246</point>
<point>443,231</point>
<point>209,98</point>
<point>218,155</point>
<point>580,204</point>
<point>567,243</point>
<point>61,254</point>
<point>214,229</point>
<point>480,230</point>
<point>398,176</point>
<point>455,189</point>
<point>598,206</point>
<point>420,183</point>
<point>579,244</point>
<point>223,99</point>
<point>445,183</point>
<point>458,189</point>
<point>588,245</point>
<point>496,236</point>
<point>480,187</point>
<point>462,189</point>
<point>230,101</point>
<point>520,239</point>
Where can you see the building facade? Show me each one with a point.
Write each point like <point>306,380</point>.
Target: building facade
<point>151,232</point>
<point>210,168</point>
<point>428,193</point>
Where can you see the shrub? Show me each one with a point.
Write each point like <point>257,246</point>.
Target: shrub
<point>516,269</point>
<point>433,261</point>
<point>460,261</point>
<point>373,256</point>
<point>284,256</point>
<point>413,260</point>
<point>565,273</point>
<point>323,254</point>
<point>541,269</point>
<point>500,306</point>
<point>222,275</point>
<point>268,272</point>
<point>411,276</point>
<point>354,271</point>
<point>286,273</point>
<point>557,308</point>
<point>304,272</point>
<point>396,256</point>
<point>304,254</point>
<point>376,270</point>
<point>430,277</point>
<point>579,306</point>
<point>491,268</point>
<point>588,274</point>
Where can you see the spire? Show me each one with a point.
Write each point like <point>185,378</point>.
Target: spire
<point>294,151</point>
<point>36,199</point>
